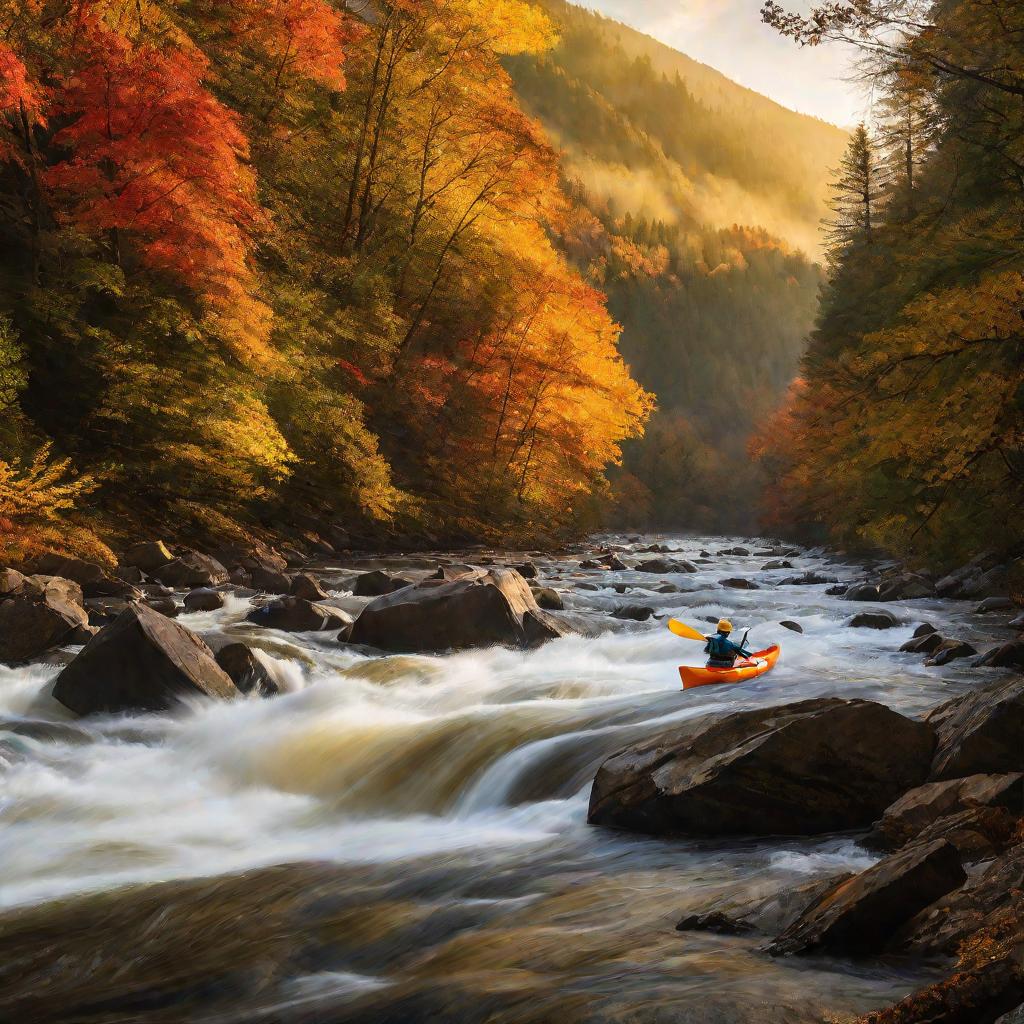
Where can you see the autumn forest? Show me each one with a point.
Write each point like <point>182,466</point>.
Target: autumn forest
<point>447,271</point>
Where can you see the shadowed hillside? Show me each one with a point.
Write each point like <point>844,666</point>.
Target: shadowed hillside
<point>695,202</point>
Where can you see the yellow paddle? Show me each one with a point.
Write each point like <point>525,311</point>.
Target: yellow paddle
<point>681,629</point>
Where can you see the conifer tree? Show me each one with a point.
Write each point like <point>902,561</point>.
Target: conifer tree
<point>859,186</point>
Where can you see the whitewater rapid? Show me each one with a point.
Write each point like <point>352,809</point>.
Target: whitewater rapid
<point>474,765</point>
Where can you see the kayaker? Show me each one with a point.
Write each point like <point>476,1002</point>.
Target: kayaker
<point>721,651</point>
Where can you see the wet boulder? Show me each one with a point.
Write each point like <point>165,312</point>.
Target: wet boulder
<point>246,670</point>
<point>860,915</point>
<point>776,564</point>
<point>377,583</point>
<point>308,588</point>
<point>529,571</point>
<point>739,583</point>
<point>808,579</point>
<point>191,569</point>
<point>861,592</point>
<point>147,555</point>
<point>1008,655</point>
<point>296,615</point>
<point>878,619</point>
<point>483,609</point>
<point>799,769</point>
<point>663,566</point>
<point>980,731</point>
<point>921,807</point>
<point>924,629</point>
<point>549,600</point>
<point>793,627</point>
<point>950,650</point>
<point>203,599</point>
<point>143,661</point>
<point>927,643</point>
<point>37,613</point>
<point>269,581</point>
<point>994,604</point>
<point>905,587</point>
<point>633,612</point>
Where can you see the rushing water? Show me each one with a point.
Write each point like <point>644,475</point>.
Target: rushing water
<point>459,785</point>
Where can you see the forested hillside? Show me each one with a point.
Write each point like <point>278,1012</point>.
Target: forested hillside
<point>267,260</point>
<point>906,428</point>
<point>692,197</point>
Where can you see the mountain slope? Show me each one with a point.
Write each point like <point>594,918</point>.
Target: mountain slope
<point>693,198</point>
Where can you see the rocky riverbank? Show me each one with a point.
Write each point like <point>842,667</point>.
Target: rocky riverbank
<point>939,795</point>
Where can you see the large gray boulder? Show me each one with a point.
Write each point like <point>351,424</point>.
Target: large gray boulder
<point>980,731</point>
<point>377,583</point>
<point>37,613</point>
<point>143,661</point>
<point>799,769</point>
<point>860,914</point>
<point>482,609</point>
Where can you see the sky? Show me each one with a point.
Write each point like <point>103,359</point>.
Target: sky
<point>729,35</point>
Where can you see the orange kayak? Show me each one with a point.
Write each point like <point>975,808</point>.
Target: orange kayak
<point>746,668</point>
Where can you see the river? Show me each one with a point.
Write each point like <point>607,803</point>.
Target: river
<point>452,794</point>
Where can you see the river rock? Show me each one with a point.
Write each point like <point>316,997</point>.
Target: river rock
<point>308,588</point>
<point>994,604</point>
<point>663,566</point>
<point>860,915</point>
<point>611,562</point>
<point>878,619</point>
<point>203,599</point>
<point>777,564</point>
<point>377,583</point>
<point>143,661</point>
<point>926,644</point>
<point>950,650</point>
<point>191,569</point>
<point>269,581</point>
<point>147,555</point>
<point>549,600</point>
<point>633,612</point>
<point>1008,655</point>
<point>245,670</point>
<point>529,571</point>
<point>800,769</point>
<point>296,615</point>
<point>484,609</point>
<point>164,605</point>
<point>924,629</point>
<point>740,584</point>
<point>941,929</point>
<point>905,587</point>
<point>90,576</point>
<point>808,579</point>
<point>921,807</point>
<point>793,627</point>
<point>980,731</point>
<point>1017,623</point>
<point>861,592</point>
<point>37,613</point>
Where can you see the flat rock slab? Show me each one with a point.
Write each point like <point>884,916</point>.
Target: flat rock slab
<point>142,661</point>
<point>980,731</point>
<point>921,807</point>
<point>799,769</point>
<point>860,915</point>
